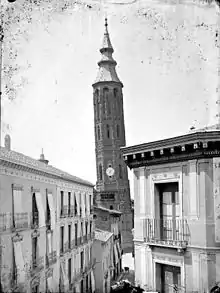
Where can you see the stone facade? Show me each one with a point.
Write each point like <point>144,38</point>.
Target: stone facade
<point>112,185</point>
<point>41,207</point>
<point>185,249</point>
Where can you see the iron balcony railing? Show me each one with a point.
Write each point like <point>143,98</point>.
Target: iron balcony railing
<point>168,232</point>
<point>67,211</point>
<point>14,221</point>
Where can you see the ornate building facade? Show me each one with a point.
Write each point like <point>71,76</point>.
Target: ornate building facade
<point>46,227</point>
<point>112,185</point>
<point>177,212</point>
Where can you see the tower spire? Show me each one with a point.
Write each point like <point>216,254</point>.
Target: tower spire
<point>107,64</point>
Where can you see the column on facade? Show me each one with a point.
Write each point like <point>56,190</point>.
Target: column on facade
<point>196,270</point>
<point>149,271</point>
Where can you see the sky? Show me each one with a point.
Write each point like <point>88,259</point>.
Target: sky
<point>167,60</point>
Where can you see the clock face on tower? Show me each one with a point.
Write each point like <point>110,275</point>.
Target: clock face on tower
<point>110,171</point>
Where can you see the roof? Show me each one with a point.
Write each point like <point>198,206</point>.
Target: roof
<point>102,235</point>
<point>47,170</point>
<point>108,210</point>
<point>199,144</point>
<point>193,137</point>
<point>107,71</point>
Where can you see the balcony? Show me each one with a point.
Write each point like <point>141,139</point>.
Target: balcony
<point>67,211</point>
<point>12,222</point>
<point>167,233</point>
<point>37,265</point>
<point>51,258</point>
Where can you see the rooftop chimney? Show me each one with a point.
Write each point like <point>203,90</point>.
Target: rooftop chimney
<point>42,158</point>
<point>8,142</point>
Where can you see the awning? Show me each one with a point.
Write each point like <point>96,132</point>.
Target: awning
<point>52,210</point>
<point>49,242</point>
<point>40,208</point>
<point>93,281</point>
<point>116,254</point>
<point>83,204</point>
<point>87,202</point>
<point>17,197</point>
<point>119,249</point>
<point>65,279</point>
<point>78,203</point>
<point>19,261</point>
<point>50,284</point>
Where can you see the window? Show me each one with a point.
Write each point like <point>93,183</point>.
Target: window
<point>48,216</point>
<point>81,259</point>
<point>100,171</point>
<point>81,287</point>
<point>69,236</point>
<point>118,131</point>
<point>115,91</point>
<point>62,239</point>
<point>111,207</point>
<point>98,133</point>
<point>87,283</point>
<point>35,215</point>
<point>76,233</point>
<point>61,203</point>
<point>69,203</point>
<point>86,229</point>
<point>108,131</point>
<point>75,211</point>
<point>69,269</point>
<point>34,251</point>
<point>120,171</point>
<point>90,227</point>
<point>105,97</point>
<point>81,232</point>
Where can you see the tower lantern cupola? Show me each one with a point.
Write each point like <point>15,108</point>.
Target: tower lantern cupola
<point>107,64</point>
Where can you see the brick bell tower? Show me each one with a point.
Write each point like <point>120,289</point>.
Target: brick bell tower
<point>112,184</point>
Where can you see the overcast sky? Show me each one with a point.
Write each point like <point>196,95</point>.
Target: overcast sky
<point>167,61</point>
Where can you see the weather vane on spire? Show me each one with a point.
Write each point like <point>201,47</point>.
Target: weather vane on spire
<point>106,21</point>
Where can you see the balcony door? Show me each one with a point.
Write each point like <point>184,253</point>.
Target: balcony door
<point>168,278</point>
<point>169,211</point>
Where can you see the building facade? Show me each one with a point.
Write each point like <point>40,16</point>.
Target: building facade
<point>177,214</point>
<point>112,179</point>
<point>110,220</point>
<point>103,250</point>
<point>46,227</point>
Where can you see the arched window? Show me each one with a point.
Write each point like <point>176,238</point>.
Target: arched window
<point>98,133</point>
<point>97,104</point>
<point>120,171</point>
<point>115,91</point>
<point>111,207</point>
<point>108,131</point>
<point>98,111</point>
<point>100,171</point>
<point>118,131</point>
<point>105,100</point>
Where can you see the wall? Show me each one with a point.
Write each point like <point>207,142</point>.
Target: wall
<point>197,206</point>
<point>27,181</point>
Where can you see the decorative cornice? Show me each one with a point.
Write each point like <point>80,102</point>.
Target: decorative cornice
<point>189,151</point>
<point>20,172</point>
